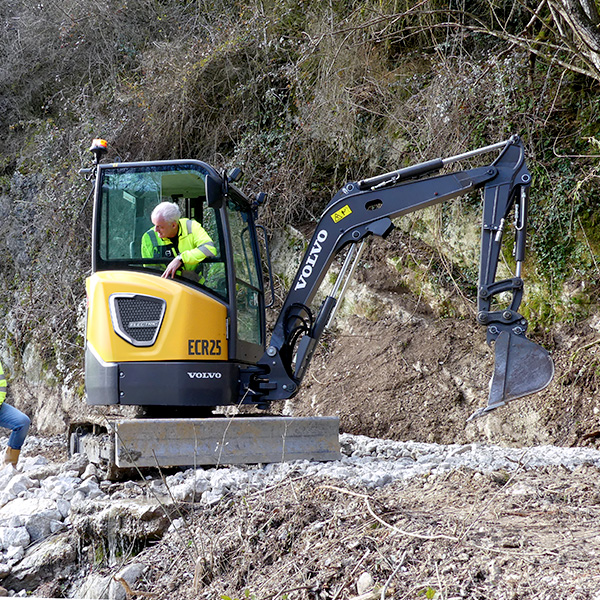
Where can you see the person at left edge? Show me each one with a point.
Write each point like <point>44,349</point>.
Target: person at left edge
<point>13,419</point>
<point>183,240</point>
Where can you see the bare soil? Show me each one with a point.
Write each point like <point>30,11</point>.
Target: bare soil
<point>408,373</point>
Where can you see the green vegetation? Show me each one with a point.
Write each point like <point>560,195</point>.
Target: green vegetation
<point>303,96</point>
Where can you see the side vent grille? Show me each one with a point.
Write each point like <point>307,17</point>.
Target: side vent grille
<point>137,318</point>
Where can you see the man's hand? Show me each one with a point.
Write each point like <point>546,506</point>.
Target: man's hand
<point>172,267</point>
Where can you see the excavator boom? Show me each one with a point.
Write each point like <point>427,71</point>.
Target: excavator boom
<point>365,208</point>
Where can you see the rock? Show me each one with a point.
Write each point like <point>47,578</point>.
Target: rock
<point>43,524</point>
<point>365,583</point>
<point>190,490</point>
<point>121,522</point>
<point>14,536</point>
<point>32,463</point>
<point>176,524</point>
<point>42,471</point>
<point>37,514</point>
<point>124,581</point>
<point>53,558</point>
<point>95,586</point>
<point>14,554</point>
<point>61,486</point>
<point>64,507</point>
<point>6,474</point>
<point>33,364</point>
<point>77,463</point>
<point>107,587</point>
<point>91,489</point>
<point>90,471</point>
<point>19,484</point>
<point>50,589</point>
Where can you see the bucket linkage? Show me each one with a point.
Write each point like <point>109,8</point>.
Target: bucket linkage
<point>521,367</point>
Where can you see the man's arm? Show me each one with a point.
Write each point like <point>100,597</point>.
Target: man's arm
<point>146,247</point>
<point>173,267</point>
<point>203,248</point>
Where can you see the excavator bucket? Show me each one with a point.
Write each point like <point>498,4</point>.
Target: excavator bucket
<point>521,367</point>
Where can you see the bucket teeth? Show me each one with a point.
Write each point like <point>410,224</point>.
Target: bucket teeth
<point>521,368</point>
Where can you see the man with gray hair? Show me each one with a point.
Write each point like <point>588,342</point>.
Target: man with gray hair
<point>184,241</point>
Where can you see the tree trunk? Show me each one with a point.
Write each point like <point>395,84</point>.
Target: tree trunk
<point>583,19</point>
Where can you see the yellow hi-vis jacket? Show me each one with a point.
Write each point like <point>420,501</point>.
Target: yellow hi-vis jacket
<point>3,385</point>
<point>193,245</point>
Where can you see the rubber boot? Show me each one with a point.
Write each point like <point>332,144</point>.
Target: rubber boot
<point>11,457</point>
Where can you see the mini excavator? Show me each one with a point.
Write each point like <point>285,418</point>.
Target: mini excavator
<point>198,341</point>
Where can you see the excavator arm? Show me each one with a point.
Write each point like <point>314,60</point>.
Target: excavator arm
<point>366,208</point>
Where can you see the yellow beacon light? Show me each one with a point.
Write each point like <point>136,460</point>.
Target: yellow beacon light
<point>99,143</point>
<point>99,148</point>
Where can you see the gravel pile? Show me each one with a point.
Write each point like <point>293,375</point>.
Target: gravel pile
<point>373,463</point>
<point>365,462</point>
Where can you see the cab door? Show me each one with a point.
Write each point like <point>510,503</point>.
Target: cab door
<point>249,313</point>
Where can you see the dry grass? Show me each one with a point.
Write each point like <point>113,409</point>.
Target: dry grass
<point>529,536</point>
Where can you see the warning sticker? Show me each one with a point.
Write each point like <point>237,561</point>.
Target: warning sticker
<point>341,214</point>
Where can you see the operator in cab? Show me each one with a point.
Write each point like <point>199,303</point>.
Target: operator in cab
<point>184,241</point>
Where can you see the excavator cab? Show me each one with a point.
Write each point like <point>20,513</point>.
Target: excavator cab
<point>128,196</point>
<point>179,342</point>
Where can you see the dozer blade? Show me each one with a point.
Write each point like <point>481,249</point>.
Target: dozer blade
<point>521,367</point>
<point>224,441</point>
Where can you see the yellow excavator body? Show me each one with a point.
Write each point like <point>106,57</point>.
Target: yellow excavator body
<point>194,324</point>
<point>199,341</point>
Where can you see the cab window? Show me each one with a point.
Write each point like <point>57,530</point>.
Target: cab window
<point>125,233</point>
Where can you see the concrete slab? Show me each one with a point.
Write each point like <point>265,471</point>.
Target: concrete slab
<point>225,441</point>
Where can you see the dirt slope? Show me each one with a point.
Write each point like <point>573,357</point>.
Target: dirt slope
<point>398,370</point>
